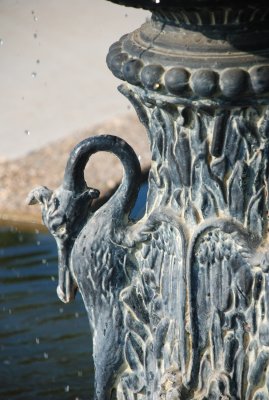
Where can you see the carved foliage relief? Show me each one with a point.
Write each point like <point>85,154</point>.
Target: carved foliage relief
<point>178,301</point>
<point>196,312</point>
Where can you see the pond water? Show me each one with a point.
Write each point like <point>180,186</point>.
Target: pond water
<point>45,345</point>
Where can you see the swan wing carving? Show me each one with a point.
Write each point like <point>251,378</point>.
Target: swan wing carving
<point>155,311</point>
<point>227,292</point>
<point>195,312</point>
<point>94,249</point>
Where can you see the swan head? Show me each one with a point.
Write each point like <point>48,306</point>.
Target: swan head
<point>64,213</point>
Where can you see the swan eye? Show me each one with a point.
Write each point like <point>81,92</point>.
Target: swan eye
<point>61,230</point>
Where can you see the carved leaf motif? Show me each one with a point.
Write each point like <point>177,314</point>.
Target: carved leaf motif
<point>211,193</point>
<point>235,148</point>
<point>156,125</point>
<point>248,131</point>
<point>134,351</point>
<point>219,131</point>
<point>152,191</point>
<point>136,326</point>
<point>131,384</point>
<point>162,293</point>
<point>255,376</point>
<point>216,166</point>
<point>133,297</point>
<point>260,395</point>
<point>257,167</point>
<point>204,149</point>
<point>196,134</point>
<point>236,190</point>
<point>221,286</point>
<point>219,167</point>
<point>183,155</point>
<point>230,348</point>
<point>256,213</point>
<point>161,332</point>
<point>263,125</point>
<point>191,214</point>
<point>209,203</point>
<point>216,341</point>
<point>204,372</point>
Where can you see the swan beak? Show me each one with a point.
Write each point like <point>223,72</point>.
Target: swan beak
<point>67,288</point>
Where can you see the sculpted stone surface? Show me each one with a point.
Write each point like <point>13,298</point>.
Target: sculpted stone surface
<point>178,301</point>
<point>92,249</point>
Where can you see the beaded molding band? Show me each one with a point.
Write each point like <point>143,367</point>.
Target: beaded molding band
<point>228,83</point>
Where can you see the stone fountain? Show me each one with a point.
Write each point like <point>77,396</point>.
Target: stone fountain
<point>178,302</point>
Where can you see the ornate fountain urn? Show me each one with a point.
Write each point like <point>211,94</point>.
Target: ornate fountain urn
<point>179,301</point>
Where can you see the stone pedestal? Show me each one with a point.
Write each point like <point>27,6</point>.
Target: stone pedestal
<point>179,301</point>
<point>197,74</point>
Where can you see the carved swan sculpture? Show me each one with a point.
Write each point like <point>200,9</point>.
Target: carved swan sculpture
<point>92,252</point>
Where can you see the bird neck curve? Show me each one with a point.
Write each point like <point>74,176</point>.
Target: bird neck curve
<point>120,204</point>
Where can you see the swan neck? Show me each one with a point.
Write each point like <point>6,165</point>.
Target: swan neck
<point>126,194</point>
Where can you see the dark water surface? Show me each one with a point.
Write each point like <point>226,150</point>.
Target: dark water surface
<point>45,345</point>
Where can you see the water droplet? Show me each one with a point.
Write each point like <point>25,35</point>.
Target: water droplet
<point>61,310</point>
<point>80,373</point>
<point>37,231</point>
<point>76,314</point>
<point>34,74</point>
<point>6,362</point>
<point>46,356</point>
<point>38,61</point>
<point>35,35</point>
<point>52,278</point>
<point>1,42</point>
<point>67,388</point>
<point>38,243</point>
<point>10,311</point>
<point>34,16</point>
<point>44,261</point>
<point>126,15</point>
<point>37,340</point>
<point>27,132</point>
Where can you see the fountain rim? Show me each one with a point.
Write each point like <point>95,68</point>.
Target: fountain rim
<point>178,5</point>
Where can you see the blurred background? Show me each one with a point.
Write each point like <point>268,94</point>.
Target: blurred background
<point>54,80</point>
<point>55,90</point>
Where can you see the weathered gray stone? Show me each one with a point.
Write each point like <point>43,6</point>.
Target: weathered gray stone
<point>178,301</point>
